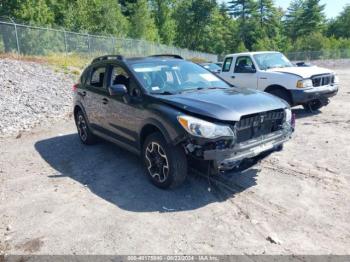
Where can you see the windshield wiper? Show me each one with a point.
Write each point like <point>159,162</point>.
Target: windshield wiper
<point>162,93</point>
<point>203,88</point>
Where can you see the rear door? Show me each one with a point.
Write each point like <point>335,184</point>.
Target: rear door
<point>95,96</point>
<point>125,113</point>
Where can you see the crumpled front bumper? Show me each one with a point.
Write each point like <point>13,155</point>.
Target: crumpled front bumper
<point>316,93</point>
<point>228,158</point>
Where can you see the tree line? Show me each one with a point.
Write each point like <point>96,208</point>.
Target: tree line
<point>202,25</point>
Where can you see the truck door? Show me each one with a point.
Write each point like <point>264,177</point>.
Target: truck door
<point>226,70</point>
<point>244,73</point>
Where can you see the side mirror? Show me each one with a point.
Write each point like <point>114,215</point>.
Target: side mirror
<point>250,70</point>
<point>117,90</point>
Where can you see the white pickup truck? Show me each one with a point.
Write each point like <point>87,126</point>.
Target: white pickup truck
<point>272,72</point>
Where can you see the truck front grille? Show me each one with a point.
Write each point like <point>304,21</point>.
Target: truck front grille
<point>322,80</point>
<point>256,125</point>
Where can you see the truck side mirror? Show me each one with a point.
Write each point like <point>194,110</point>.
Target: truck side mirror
<point>250,70</point>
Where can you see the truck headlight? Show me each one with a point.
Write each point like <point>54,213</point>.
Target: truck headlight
<point>336,79</point>
<point>202,128</point>
<point>305,83</point>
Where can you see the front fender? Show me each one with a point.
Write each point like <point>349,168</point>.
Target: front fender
<point>164,118</point>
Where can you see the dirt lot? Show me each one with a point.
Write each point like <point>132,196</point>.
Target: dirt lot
<point>60,197</point>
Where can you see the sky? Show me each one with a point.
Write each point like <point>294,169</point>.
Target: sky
<point>333,7</point>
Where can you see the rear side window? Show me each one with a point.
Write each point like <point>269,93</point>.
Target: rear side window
<point>98,76</point>
<point>227,64</point>
<point>84,76</point>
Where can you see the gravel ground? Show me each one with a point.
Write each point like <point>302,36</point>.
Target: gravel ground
<point>32,93</point>
<point>60,197</point>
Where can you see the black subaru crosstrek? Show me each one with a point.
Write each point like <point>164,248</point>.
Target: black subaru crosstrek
<point>175,114</point>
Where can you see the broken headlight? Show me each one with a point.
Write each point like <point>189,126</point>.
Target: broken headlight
<point>202,128</point>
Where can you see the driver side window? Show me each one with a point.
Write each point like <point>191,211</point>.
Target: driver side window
<point>119,77</point>
<point>244,64</point>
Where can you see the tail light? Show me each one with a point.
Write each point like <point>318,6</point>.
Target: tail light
<point>75,87</point>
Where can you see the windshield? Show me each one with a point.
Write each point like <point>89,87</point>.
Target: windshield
<point>272,60</point>
<point>212,67</point>
<point>168,77</point>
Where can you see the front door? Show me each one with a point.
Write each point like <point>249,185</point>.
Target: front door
<point>244,73</point>
<point>124,114</point>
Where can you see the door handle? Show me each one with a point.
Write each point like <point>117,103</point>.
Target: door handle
<point>233,77</point>
<point>105,101</point>
<point>82,93</point>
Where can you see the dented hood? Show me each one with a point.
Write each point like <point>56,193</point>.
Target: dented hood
<point>224,104</point>
<point>304,72</point>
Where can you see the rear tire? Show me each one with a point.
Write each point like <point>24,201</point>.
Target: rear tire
<point>166,165</point>
<point>281,93</point>
<point>84,132</point>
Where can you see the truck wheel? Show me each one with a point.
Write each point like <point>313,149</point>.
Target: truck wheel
<point>281,93</point>
<point>313,106</point>
<point>166,165</point>
<point>84,132</point>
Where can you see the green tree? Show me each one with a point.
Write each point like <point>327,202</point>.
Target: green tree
<point>292,21</point>
<point>36,12</point>
<point>162,12</point>
<point>96,16</point>
<point>192,21</point>
<point>221,33</point>
<point>270,18</point>
<point>242,9</point>
<point>312,18</point>
<point>304,17</point>
<point>340,26</point>
<point>245,11</point>
<point>142,25</point>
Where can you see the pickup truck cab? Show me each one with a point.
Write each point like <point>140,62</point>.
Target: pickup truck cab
<point>272,72</point>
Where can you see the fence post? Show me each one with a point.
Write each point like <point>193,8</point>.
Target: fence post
<point>65,42</point>
<point>89,44</point>
<point>16,34</point>
<point>113,43</point>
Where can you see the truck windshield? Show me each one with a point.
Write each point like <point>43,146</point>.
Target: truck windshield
<point>168,77</point>
<point>272,60</point>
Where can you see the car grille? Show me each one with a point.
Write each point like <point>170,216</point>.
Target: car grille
<point>322,80</point>
<point>256,125</point>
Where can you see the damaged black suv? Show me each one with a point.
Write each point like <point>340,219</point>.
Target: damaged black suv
<point>176,114</point>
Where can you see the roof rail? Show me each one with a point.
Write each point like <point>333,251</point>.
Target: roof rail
<point>107,57</point>
<point>168,55</point>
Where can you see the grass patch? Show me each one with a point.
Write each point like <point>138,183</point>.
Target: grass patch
<point>68,64</point>
<point>72,61</point>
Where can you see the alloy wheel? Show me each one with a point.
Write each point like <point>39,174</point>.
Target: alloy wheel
<point>158,165</point>
<point>82,127</point>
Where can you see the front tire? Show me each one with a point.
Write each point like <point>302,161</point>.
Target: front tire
<point>281,93</point>
<point>313,106</point>
<point>84,132</point>
<point>166,165</point>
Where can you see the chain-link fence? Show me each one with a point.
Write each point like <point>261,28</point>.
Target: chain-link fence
<point>319,55</point>
<point>31,40</point>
